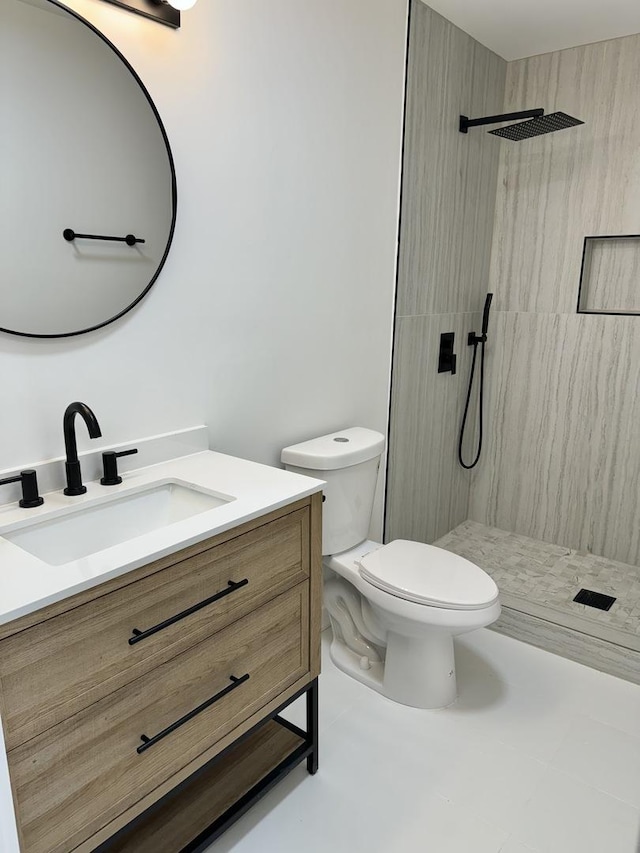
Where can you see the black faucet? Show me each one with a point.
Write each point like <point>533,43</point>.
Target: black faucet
<point>72,465</point>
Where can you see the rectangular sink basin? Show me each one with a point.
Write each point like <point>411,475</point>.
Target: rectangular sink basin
<point>91,529</point>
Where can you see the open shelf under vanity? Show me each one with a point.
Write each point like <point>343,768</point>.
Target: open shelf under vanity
<point>196,813</point>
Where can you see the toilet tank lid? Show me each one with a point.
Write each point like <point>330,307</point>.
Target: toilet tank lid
<point>336,450</point>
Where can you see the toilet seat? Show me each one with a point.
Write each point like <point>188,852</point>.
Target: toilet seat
<point>428,575</point>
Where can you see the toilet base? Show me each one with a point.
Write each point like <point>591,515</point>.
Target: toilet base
<point>419,672</point>
<point>349,663</point>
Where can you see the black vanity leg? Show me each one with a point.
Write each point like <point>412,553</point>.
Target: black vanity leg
<point>312,726</point>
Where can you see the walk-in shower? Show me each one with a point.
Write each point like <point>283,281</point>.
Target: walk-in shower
<point>529,123</point>
<point>550,510</point>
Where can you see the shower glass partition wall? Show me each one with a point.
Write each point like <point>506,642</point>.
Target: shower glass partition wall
<point>552,507</point>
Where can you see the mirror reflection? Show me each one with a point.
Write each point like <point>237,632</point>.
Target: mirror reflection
<point>85,153</point>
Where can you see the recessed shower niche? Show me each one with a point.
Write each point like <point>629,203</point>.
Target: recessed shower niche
<point>610,276</point>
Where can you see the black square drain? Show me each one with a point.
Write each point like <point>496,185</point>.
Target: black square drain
<point>594,599</point>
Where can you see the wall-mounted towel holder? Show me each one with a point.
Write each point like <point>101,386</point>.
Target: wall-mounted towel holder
<point>70,235</point>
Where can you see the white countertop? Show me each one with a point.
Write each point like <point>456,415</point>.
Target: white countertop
<point>28,584</point>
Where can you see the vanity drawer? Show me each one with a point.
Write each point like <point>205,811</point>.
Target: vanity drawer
<point>75,778</point>
<point>58,667</point>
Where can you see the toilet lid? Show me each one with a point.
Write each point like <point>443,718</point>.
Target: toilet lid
<point>428,575</point>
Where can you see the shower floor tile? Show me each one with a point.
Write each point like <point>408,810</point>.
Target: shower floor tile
<point>542,579</point>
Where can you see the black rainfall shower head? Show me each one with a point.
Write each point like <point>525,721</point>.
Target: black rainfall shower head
<point>536,126</point>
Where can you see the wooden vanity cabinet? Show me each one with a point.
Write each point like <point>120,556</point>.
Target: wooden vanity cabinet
<point>113,699</point>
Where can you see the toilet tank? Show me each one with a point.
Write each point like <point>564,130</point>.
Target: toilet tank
<point>348,461</point>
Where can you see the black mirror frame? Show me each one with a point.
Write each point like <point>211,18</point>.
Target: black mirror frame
<point>174,188</point>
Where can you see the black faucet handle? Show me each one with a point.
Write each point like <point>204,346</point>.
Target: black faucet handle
<point>110,466</point>
<point>29,481</point>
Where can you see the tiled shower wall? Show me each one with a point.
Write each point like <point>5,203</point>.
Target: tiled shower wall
<point>449,187</point>
<point>562,463</point>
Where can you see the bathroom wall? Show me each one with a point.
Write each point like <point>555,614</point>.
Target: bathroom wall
<point>271,321</point>
<point>563,458</point>
<point>448,196</point>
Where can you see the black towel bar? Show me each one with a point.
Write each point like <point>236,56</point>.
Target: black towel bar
<point>70,235</point>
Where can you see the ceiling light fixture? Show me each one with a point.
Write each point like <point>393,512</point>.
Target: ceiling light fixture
<point>162,11</point>
<point>182,5</point>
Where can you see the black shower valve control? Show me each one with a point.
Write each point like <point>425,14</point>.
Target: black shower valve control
<point>446,357</point>
<point>110,466</point>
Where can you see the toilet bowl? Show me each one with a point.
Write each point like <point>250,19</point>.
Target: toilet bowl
<point>394,609</point>
<point>410,627</point>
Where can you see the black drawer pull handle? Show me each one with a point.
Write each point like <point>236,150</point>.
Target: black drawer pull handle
<point>142,635</point>
<point>148,742</point>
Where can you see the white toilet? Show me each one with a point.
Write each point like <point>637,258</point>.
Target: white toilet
<point>395,608</point>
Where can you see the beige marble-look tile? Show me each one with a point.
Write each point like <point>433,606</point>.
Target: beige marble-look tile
<point>449,178</point>
<point>562,461</point>
<point>449,182</point>
<point>427,491</point>
<point>542,580</point>
<point>556,189</point>
<point>575,645</point>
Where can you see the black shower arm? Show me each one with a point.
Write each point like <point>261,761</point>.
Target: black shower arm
<point>466,123</point>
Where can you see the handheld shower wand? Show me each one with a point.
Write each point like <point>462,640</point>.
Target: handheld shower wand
<point>475,341</point>
<point>485,316</point>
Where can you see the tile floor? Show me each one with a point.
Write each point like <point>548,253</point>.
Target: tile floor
<point>542,579</point>
<point>538,755</point>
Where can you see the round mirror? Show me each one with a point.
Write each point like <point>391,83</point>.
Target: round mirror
<point>87,184</point>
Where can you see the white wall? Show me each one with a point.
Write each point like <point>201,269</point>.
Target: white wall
<point>272,318</point>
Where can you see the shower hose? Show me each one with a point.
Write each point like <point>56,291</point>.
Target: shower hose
<point>477,341</point>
